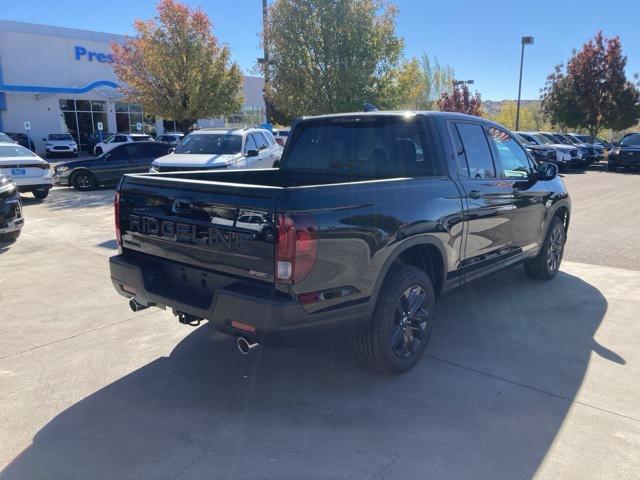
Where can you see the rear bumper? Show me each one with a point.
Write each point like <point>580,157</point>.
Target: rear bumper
<point>625,161</point>
<point>277,318</point>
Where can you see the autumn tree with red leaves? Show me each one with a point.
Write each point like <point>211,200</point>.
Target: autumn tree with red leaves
<point>461,100</point>
<point>176,68</point>
<point>593,91</point>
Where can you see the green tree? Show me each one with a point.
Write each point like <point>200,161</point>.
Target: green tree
<point>176,68</point>
<point>530,118</point>
<point>328,56</point>
<point>435,80</point>
<point>593,92</point>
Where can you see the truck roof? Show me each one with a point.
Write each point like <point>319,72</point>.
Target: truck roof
<point>403,113</point>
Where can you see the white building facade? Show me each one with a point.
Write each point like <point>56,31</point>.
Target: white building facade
<point>61,80</point>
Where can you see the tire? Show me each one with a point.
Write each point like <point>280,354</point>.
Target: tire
<point>83,180</point>
<point>97,151</point>
<point>394,342</point>
<point>9,237</point>
<point>546,265</point>
<point>41,194</point>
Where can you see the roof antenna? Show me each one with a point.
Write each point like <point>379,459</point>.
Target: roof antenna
<point>369,107</point>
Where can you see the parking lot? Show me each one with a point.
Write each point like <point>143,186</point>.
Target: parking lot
<point>521,379</point>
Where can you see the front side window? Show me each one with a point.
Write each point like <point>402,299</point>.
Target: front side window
<point>210,144</point>
<point>474,154</point>
<point>378,147</point>
<point>250,144</point>
<point>261,142</point>
<point>512,156</point>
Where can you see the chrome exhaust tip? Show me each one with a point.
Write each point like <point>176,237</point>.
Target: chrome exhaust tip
<point>245,347</point>
<point>136,306</point>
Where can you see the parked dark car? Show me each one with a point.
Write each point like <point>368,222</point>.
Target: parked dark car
<point>11,219</point>
<point>108,168</point>
<point>22,139</point>
<point>625,153</point>
<point>368,220</point>
<point>94,138</point>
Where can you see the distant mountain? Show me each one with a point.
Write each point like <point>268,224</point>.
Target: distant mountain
<point>492,107</point>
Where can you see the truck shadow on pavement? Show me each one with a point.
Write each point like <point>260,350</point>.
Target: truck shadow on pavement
<point>506,359</point>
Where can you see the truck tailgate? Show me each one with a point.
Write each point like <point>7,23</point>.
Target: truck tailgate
<point>226,228</point>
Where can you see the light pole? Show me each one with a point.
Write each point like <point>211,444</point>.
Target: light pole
<point>525,41</point>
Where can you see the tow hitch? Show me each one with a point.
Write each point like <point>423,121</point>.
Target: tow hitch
<point>187,319</point>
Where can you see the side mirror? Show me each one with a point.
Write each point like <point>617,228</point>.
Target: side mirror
<point>276,164</point>
<point>252,153</point>
<point>547,171</point>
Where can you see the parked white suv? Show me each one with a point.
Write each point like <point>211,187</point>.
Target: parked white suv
<point>221,148</point>
<point>60,144</point>
<point>29,172</point>
<point>119,139</point>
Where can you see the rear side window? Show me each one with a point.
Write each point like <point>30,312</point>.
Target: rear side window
<point>474,155</point>
<point>378,147</point>
<point>155,150</point>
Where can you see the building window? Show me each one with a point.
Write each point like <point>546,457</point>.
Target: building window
<point>247,116</point>
<point>81,118</point>
<point>128,115</point>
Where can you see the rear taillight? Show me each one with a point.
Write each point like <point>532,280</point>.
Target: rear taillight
<point>116,213</point>
<point>296,247</point>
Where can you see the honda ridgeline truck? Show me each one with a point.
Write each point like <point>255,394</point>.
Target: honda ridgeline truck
<point>366,221</point>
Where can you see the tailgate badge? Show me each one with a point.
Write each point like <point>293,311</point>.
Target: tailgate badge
<point>182,205</point>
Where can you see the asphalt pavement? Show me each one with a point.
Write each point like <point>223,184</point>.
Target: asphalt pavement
<point>521,379</point>
<point>605,222</point>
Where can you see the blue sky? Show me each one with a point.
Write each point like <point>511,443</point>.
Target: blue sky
<point>481,40</point>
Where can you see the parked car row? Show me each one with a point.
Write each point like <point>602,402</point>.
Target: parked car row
<point>570,151</point>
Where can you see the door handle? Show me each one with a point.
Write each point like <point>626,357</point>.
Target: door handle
<point>476,194</point>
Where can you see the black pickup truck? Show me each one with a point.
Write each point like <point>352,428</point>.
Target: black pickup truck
<point>369,218</point>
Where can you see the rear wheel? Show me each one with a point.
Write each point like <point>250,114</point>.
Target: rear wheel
<point>401,325</point>
<point>41,194</point>
<point>83,180</point>
<point>546,265</point>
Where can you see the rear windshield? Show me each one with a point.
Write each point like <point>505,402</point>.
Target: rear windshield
<point>60,136</point>
<point>210,144</point>
<point>15,151</point>
<point>379,147</point>
<point>632,139</point>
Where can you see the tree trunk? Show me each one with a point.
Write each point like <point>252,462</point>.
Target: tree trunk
<point>185,125</point>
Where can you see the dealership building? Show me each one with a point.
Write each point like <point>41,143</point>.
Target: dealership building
<point>61,80</point>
